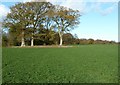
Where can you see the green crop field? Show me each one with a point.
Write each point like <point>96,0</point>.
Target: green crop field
<point>78,64</point>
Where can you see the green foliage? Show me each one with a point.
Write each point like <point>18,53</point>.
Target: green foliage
<point>65,18</point>
<point>26,20</point>
<point>83,64</point>
<point>4,40</point>
<point>68,39</point>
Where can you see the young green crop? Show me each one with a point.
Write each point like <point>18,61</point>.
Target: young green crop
<point>83,64</point>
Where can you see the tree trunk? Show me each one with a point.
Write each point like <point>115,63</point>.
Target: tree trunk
<point>61,40</point>
<point>32,41</point>
<point>23,40</point>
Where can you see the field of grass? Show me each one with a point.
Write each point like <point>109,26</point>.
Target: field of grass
<point>83,64</point>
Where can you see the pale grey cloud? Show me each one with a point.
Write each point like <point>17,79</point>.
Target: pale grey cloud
<point>108,0</point>
<point>107,10</point>
<point>56,1</point>
<point>84,0</point>
<point>14,0</point>
<point>85,6</point>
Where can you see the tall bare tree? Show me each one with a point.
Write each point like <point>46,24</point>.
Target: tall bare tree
<point>26,19</point>
<point>66,19</point>
<point>38,11</point>
<point>18,20</point>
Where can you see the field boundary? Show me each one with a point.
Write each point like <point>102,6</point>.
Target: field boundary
<point>48,46</point>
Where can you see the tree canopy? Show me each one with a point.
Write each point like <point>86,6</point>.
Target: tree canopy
<point>32,20</point>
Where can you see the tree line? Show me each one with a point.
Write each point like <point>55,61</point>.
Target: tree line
<point>68,39</point>
<point>42,23</point>
<point>33,23</point>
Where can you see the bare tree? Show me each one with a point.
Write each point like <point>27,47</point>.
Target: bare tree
<point>66,19</point>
